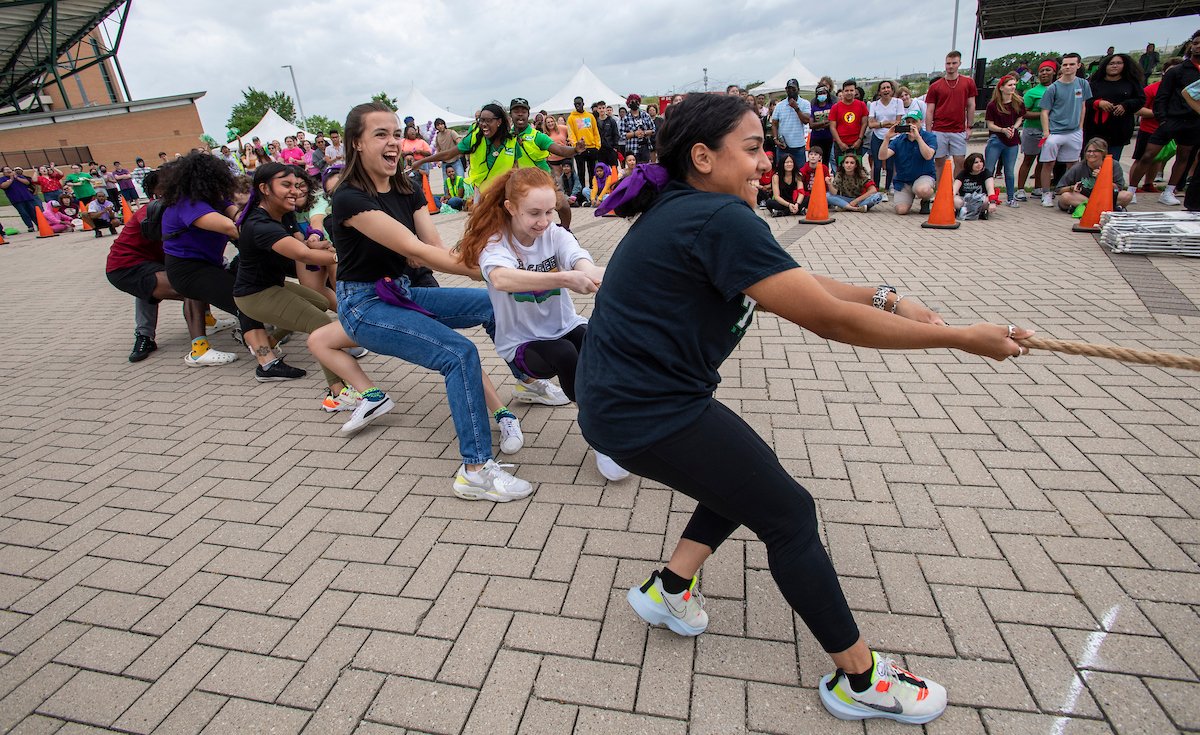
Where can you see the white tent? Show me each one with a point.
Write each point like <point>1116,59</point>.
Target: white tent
<point>273,127</point>
<point>423,110</point>
<point>583,84</point>
<point>791,70</point>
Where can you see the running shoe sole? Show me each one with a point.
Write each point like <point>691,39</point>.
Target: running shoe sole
<point>843,711</point>
<point>275,378</point>
<point>470,492</point>
<point>529,397</point>
<point>647,611</point>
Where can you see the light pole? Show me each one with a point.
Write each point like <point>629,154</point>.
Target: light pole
<point>953,34</point>
<point>299,104</point>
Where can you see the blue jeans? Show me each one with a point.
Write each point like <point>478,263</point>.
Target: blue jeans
<point>878,166</point>
<point>28,211</point>
<point>834,200</point>
<point>455,203</point>
<point>996,150</point>
<point>432,343</point>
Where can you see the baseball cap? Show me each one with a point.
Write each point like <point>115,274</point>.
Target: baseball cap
<point>792,83</point>
<point>518,102</point>
<point>914,114</point>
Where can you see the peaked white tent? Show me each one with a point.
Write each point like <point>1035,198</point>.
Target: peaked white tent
<point>423,110</point>
<point>273,127</point>
<point>791,70</point>
<point>583,84</point>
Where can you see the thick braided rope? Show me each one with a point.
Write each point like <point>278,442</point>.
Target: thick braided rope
<point>1124,354</point>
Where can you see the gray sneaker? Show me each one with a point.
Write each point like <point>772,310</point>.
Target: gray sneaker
<point>491,482</point>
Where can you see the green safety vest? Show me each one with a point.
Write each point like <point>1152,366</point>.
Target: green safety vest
<point>537,156</point>
<point>479,174</point>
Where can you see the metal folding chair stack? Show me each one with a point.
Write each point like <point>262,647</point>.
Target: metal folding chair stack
<point>1151,233</point>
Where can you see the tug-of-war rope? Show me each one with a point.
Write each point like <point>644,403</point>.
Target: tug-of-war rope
<point>1124,354</point>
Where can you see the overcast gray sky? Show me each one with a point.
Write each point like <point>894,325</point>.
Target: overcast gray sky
<point>462,54</point>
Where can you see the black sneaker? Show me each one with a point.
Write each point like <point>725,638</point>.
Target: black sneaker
<point>142,347</point>
<point>983,213</point>
<point>276,371</point>
<point>924,206</point>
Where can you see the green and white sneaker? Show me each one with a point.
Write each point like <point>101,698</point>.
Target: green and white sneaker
<point>682,613</point>
<point>894,694</point>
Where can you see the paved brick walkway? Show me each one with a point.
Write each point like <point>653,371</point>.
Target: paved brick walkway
<point>189,551</point>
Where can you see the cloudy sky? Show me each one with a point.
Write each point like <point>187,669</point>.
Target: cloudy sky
<point>463,54</point>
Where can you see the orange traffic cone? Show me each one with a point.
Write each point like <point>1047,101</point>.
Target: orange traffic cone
<point>818,207</point>
<point>1100,201</point>
<point>2,240</point>
<point>433,209</point>
<point>941,216</point>
<point>87,224</point>
<point>44,225</point>
<point>126,212</point>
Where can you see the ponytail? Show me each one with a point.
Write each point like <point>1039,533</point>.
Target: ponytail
<point>698,118</point>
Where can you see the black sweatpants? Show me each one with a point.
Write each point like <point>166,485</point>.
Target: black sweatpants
<point>549,358</point>
<point>737,480</point>
<point>207,282</point>
<point>585,165</point>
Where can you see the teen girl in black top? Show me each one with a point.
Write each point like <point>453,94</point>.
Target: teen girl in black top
<point>678,295</point>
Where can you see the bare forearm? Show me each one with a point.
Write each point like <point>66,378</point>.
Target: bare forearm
<point>517,280</point>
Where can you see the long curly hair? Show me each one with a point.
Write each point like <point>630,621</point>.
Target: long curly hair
<point>489,217</point>
<point>201,177</point>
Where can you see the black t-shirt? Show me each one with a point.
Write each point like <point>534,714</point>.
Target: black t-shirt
<point>670,311</point>
<point>973,183</point>
<point>359,257</point>
<point>260,267</point>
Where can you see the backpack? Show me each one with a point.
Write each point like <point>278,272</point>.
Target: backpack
<point>152,224</point>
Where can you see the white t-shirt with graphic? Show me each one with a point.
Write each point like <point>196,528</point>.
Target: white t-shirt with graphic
<point>532,316</point>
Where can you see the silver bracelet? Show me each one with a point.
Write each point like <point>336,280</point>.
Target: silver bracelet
<point>879,300</point>
<point>897,304</point>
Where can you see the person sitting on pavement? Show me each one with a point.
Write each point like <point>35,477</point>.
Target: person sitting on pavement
<point>851,189</point>
<point>975,195</point>
<point>1076,185</point>
<point>58,220</point>
<point>914,150</point>
<point>577,196</point>
<point>785,188</point>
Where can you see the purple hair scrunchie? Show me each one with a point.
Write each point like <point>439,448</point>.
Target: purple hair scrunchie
<point>644,174</point>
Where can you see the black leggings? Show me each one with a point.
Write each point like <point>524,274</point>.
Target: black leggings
<point>553,357</point>
<point>212,284</point>
<point>747,485</point>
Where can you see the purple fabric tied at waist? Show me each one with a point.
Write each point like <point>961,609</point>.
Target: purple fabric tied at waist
<point>644,174</point>
<point>394,292</point>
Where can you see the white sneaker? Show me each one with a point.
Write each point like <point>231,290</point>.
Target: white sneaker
<point>1133,194</point>
<point>682,613</point>
<point>211,357</point>
<point>609,468</point>
<point>1047,199</point>
<point>357,352</point>
<point>491,482</point>
<point>540,391</point>
<point>511,438</point>
<point>883,197</point>
<point>367,411</point>
<point>894,694</point>
<point>1021,196</point>
<point>1168,198</point>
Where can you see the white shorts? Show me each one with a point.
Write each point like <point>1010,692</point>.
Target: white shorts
<point>951,144</point>
<point>1063,147</point>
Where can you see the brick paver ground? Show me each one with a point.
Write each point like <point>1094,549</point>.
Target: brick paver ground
<point>189,551</point>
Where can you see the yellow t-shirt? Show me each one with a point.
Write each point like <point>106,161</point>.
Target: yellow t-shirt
<point>583,126</point>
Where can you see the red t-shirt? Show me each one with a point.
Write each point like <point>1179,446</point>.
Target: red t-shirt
<point>1150,124</point>
<point>849,119</point>
<point>130,248</point>
<point>50,184</point>
<point>950,101</point>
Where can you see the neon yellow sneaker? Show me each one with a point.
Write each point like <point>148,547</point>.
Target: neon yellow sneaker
<point>682,613</point>
<point>894,694</point>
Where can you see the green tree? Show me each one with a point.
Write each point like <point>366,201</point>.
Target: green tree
<point>1002,65</point>
<point>246,114</point>
<point>320,122</point>
<point>383,97</point>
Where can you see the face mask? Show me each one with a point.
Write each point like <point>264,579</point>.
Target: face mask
<point>822,97</point>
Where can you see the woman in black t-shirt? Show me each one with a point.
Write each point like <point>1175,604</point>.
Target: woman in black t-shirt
<point>975,195</point>
<point>380,224</point>
<point>269,247</point>
<point>678,295</point>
